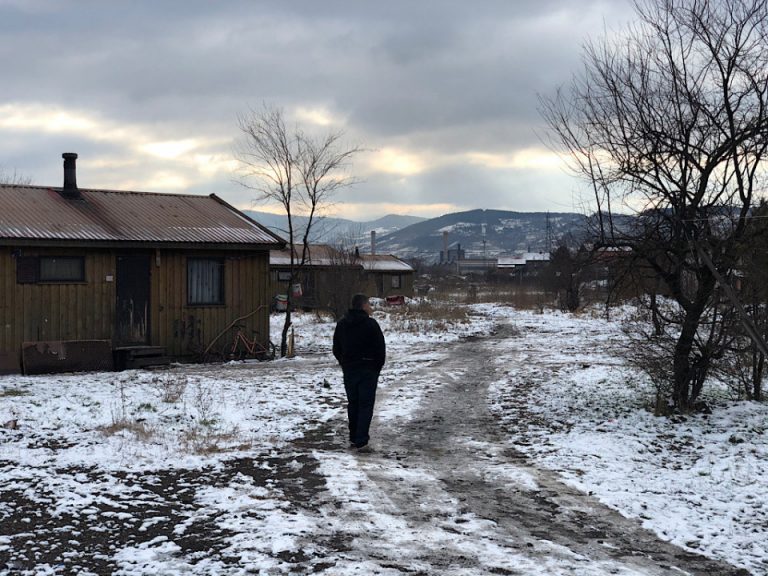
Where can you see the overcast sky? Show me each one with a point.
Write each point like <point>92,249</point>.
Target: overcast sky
<point>442,94</point>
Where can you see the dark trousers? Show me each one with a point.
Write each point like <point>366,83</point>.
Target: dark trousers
<point>360,385</point>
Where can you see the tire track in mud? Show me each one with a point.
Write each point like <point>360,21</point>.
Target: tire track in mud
<point>449,474</point>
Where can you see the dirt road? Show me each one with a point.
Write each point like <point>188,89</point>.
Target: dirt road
<point>455,500</point>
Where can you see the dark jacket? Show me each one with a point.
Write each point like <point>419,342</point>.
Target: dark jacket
<point>358,342</point>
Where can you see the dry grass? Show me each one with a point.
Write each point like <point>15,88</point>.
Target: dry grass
<point>206,438</point>
<point>428,315</point>
<point>521,297</point>
<point>13,392</point>
<point>140,430</point>
<point>171,387</point>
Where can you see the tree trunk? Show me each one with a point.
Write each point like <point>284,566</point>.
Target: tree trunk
<point>286,326</point>
<point>758,365</point>
<point>684,372</point>
<point>681,372</point>
<point>689,375</point>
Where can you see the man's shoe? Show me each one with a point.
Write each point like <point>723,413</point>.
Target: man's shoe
<point>364,449</point>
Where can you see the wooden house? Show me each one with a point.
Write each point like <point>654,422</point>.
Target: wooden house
<point>387,275</point>
<point>320,278</point>
<point>330,273</point>
<point>85,273</point>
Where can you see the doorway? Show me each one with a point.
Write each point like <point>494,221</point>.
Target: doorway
<point>133,289</point>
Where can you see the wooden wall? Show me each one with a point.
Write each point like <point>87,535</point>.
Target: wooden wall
<point>34,312</point>
<point>379,284</point>
<point>182,329</point>
<point>86,310</point>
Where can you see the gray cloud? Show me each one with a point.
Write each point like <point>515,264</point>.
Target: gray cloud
<point>440,77</point>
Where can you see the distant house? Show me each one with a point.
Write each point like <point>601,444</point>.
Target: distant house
<point>387,275</point>
<point>87,270</point>
<point>322,270</point>
<point>510,262</point>
<point>476,265</point>
<point>328,271</point>
<point>527,262</point>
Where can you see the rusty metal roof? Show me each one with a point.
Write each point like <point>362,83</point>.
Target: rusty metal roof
<point>40,213</point>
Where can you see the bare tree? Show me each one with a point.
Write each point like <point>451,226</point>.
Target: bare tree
<point>670,122</point>
<point>13,178</point>
<point>295,170</point>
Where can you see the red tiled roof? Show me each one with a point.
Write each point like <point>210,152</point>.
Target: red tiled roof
<point>40,213</point>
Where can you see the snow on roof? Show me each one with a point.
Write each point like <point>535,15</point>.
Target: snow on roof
<point>384,263</point>
<point>324,255</point>
<point>319,255</point>
<point>536,256</point>
<point>510,262</point>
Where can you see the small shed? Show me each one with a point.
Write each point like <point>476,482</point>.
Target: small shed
<point>387,275</point>
<point>325,272</point>
<point>85,270</point>
<point>329,272</point>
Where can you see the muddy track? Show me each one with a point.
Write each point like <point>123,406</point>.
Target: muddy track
<point>477,488</point>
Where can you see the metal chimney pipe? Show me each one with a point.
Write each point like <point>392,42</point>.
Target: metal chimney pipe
<point>445,245</point>
<point>70,189</point>
<point>373,242</point>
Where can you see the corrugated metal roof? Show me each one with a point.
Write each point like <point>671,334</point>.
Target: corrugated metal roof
<point>324,255</point>
<point>319,255</point>
<point>39,213</point>
<point>384,263</point>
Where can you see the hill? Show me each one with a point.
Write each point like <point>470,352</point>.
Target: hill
<point>504,232</point>
<point>332,230</point>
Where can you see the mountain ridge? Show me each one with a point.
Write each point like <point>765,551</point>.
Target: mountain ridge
<point>484,233</point>
<point>479,232</point>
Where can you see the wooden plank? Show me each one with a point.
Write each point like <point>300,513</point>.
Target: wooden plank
<point>11,312</point>
<point>156,315</point>
<point>5,296</point>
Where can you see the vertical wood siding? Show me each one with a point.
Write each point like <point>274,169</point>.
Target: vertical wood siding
<point>185,329</point>
<point>85,311</point>
<point>53,311</point>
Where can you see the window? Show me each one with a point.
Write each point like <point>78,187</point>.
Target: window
<point>395,281</point>
<point>59,269</point>
<point>62,269</point>
<point>283,276</point>
<point>205,281</point>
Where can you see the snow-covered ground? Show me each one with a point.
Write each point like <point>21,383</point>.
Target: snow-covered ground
<point>103,449</point>
<point>699,481</point>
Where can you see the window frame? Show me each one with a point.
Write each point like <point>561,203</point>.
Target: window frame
<point>220,262</point>
<point>396,281</point>
<point>29,270</point>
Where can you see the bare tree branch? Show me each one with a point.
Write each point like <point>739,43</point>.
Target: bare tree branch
<point>670,122</point>
<point>298,172</point>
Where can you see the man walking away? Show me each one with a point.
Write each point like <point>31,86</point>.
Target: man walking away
<point>358,345</point>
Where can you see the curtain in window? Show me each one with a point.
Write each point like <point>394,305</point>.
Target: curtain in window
<point>204,281</point>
